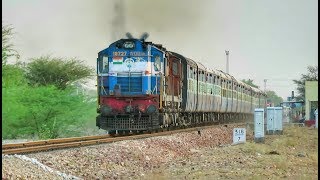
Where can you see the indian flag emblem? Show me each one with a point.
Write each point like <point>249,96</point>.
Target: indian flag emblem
<point>117,60</point>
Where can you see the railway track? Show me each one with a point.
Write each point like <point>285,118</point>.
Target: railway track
<point>46,145</point>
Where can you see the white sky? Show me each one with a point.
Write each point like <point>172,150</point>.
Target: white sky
<point>267,39</point>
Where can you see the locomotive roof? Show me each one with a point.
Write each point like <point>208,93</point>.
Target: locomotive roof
<point>189,61</point>
<point>217,72</point>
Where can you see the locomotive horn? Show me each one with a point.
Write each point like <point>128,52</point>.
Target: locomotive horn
<point>129,35</point>
<point>144,36</point>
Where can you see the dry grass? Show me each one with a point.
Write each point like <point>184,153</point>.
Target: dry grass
<point>293,155</point>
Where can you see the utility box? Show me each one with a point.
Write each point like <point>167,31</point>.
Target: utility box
<point>274,120</point>
<point>316,114</point>
<point>259,125</point>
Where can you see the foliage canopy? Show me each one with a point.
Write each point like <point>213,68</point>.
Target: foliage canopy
<point>37,100</point>
<point>56,71</point>
<point>250,82</point>
<point>7,46</point>
<point>273,98</point>
<point>312,75</point>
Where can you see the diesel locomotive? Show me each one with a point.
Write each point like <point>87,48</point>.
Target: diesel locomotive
<point>143,86</point>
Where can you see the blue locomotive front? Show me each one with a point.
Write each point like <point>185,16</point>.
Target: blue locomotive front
<point>129,74</point>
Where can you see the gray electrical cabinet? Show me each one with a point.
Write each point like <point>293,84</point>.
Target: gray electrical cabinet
<point>274,120</point>
<point>259,125</point>
<point>316,114</point>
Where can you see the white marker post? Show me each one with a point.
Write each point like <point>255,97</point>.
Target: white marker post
<point>239,135</point>
<point>259,125</point>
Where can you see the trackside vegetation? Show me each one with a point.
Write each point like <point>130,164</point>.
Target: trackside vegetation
<point>38,98</point>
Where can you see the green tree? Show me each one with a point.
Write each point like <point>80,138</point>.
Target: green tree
<point>7,47</point>
<point>250,82</point>
<point>44,112</point>
<point>47,111</point>
<point>273,98</point>
<point>312,75</point>
<point>56,71</point>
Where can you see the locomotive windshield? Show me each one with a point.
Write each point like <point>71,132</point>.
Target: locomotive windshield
<point>103,64</point>
<point>157,63</point>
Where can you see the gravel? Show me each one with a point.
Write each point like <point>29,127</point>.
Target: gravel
<point>120,160</point>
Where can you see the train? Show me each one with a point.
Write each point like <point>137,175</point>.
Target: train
<point>142,86</point>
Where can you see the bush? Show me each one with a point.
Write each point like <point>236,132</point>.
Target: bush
<point>44,111</point>
<point>59,72</point>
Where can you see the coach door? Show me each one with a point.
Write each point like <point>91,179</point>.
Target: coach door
<point>174,79</point>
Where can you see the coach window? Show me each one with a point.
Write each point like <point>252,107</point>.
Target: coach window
<point>191,73</point>
<point>175,69</point>
<point>203,77</point>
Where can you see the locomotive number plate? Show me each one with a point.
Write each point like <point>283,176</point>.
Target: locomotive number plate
<point>137,53</point>
<point>119,53</point>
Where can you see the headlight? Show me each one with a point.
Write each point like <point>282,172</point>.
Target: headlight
<point>151,109</point>
<point>128,109</point>
<point>128,44</point>
<point>106,110</point>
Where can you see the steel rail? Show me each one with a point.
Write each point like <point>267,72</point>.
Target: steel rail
<point>52,141</point>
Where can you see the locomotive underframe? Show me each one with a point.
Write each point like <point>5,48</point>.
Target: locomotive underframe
<point>157,121</point>
<point>128,122</point>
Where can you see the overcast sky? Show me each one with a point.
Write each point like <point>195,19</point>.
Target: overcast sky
<point>267,39</point>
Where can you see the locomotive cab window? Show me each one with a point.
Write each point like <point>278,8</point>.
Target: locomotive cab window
<point>105,65</point>
<point>175,70</point>
<point>157,63</point>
